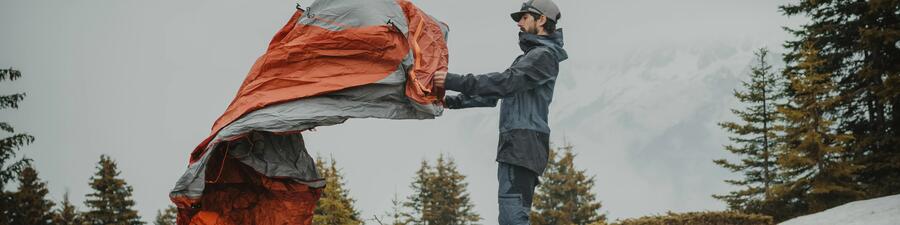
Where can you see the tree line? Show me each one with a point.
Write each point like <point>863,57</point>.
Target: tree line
<point>109,203</point>
<point>440,196</point>
<point>822,131</point>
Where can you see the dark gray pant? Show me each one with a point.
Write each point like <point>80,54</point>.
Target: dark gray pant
<point>515,193</point>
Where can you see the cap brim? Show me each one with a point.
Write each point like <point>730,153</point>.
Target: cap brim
<point>517,15</point>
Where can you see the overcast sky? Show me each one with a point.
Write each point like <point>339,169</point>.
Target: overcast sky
<point>143,81</point>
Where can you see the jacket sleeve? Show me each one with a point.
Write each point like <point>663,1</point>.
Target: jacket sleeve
<point>465,101</point>
<point>534,69</point>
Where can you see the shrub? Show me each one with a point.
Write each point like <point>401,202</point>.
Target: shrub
<point>700,218</point>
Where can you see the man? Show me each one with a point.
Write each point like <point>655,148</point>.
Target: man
<point>527,90</point>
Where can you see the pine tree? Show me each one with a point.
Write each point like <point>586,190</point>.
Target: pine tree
<point>166,217</point>
<point>440,196</point>
<point>856,40</point>
<point>564,195</point>
<point>453,205</point>
<point>67,214</point>
<point>754,140</point>
<point>32,206</point>
<point>418,204</point>
<point>9,165</point>
<point>111,202</point>
<point>336,205</point>
<point>396,213</point>
<point>814,161</point>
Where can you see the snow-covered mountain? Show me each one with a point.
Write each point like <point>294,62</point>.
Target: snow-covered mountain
<point>647,123</point>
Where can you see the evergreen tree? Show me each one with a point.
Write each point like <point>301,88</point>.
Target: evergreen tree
<point>440,196</point>
<point>453,205</point>
<point>166,217</point>
<point>9,165</point>
<point>418,204</point>
<point>111,202</point>
<point>815,161</point>
<point>754,140</point>
<point>67,214</point>
<point>856,42</point>
<point>335,206</point>
<point>564,196</point>
<point>32,206</point>
<point>396,213</point>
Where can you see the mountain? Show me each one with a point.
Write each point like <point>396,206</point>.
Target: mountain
<point>646,123</point>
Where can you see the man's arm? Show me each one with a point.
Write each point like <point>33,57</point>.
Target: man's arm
<point>465,101</point>
<point>535,68</point>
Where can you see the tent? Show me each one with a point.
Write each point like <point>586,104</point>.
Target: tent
<point>332,61</point>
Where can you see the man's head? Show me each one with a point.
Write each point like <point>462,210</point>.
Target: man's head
<point>534,23</point>
<point>537,17</point>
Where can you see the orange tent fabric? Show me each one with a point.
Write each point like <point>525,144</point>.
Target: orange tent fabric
<point>237,194</point>
<point>308,60</point>
<point>311,56</point>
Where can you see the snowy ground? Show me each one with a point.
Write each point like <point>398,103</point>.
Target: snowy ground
<point>879,211</point>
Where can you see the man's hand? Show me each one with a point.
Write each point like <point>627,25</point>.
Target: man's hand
<point>445,102</point>
<point>439,78</point>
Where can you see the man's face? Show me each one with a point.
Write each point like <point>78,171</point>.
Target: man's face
<point>529,24</point>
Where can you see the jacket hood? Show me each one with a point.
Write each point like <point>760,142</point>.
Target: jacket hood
<point>554,42</point>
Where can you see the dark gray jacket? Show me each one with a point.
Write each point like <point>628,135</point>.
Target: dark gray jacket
<point>526,89</point>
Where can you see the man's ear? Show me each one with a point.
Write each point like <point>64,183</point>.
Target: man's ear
<point>541,21</point>
<point>540,24</point>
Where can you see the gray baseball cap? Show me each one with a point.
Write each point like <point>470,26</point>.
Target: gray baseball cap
<point>543,7</point>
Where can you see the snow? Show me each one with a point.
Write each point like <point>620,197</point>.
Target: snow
<point>879,211</point>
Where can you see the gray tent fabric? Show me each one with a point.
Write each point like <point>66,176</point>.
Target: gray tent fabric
<point>277,155</point>
<point>382,99</point>
<point>257,138</point>
<point>355,14</point>
<point>272,154</point>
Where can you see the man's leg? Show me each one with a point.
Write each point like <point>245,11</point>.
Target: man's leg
<point>515,193</point>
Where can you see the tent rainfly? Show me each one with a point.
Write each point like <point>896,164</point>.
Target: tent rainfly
<point>332,61</point>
